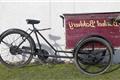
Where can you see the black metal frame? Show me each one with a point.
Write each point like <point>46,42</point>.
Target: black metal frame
<point>37,32</point>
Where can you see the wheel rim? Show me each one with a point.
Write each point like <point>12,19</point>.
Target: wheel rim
<point>97,60</point>
<point>16,59</point>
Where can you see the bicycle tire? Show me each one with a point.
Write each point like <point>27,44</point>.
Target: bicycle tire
<point>79,63</point>
<point>25,58</point>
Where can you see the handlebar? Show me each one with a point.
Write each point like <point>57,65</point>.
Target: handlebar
<point>61,16</point>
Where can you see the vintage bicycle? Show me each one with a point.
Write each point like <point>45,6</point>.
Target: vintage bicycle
<point>92,55</point>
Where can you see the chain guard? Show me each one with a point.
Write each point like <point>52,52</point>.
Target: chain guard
<point>43,55</point>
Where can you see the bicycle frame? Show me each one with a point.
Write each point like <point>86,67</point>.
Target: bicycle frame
<point>37,32</point>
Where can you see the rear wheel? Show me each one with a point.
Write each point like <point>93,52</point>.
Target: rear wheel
<point>93,56</point>
<point>12,52</point>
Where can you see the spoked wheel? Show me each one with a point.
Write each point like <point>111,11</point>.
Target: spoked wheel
<point>12,52</point>
<point>93,56</point>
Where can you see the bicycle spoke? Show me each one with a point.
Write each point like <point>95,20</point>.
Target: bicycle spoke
<point>9,38</point>
<point>9,45</point>
<point>93,46</point>
<point>87,67</point>
<point>4,49</point>
<point>16,39</point>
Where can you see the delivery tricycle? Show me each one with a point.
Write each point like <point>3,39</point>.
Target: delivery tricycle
<point>90,37</point>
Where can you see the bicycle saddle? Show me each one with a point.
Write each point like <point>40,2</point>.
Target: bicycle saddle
<point>31,21</point>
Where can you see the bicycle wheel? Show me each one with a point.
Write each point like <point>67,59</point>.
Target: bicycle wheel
<point>12,52</point>
<point>93,56</point>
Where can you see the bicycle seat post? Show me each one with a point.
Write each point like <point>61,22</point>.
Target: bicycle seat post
<point>32,22</point>
<point>33,26</point>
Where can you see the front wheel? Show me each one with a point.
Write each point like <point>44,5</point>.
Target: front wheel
<point>93,56</point>
<point>12,51</point>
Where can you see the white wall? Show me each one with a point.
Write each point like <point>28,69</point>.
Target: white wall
<point>14,14</point>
